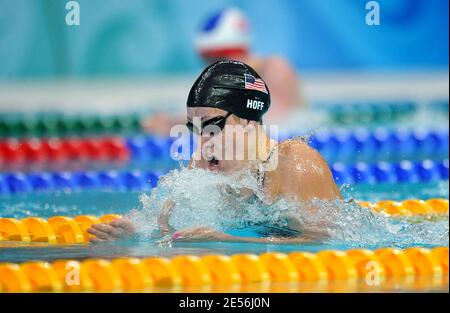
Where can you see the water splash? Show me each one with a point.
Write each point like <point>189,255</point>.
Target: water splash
<point>204,198</point>
<point>348,223</point>
<point>200,198</point>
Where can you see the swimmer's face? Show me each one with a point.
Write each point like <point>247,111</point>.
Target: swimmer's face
<point>219,149</point>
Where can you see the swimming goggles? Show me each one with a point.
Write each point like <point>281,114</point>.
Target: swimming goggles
<point>218,121</point>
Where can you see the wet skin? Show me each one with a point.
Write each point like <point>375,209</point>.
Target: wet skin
<point>301,175</point>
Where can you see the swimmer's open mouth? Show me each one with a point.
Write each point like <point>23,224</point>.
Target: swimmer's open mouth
<point>213,164</point>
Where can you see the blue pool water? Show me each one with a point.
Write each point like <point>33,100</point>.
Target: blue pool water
<point>354,227</point>
<point>98,202</point>
<point>103,202</point>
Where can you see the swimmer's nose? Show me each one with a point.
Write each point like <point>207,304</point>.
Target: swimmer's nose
<point>208,149</point>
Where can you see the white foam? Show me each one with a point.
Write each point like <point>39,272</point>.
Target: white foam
<point>204,198</point>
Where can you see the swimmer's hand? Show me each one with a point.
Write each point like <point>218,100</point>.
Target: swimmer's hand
<point>203,234</point>
<point>119,228</point>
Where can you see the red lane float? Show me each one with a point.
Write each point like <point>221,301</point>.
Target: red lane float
<point>49,150</point>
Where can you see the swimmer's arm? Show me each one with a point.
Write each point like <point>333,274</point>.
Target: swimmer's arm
<point>202,234</point>
<point>272,240</point>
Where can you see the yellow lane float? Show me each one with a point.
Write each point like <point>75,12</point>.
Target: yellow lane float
<point>336,270</point>
<point>68,230</point>
<point>57,229</point>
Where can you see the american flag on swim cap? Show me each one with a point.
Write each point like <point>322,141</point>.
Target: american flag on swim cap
<point>254,83</point>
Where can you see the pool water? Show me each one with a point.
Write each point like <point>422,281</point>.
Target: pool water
<point>195,202</point>
<point>96,202</point>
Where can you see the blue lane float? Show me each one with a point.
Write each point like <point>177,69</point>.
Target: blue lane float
<point>383,172</point>
<point>336,145</point>
<point>381,144</point>
<point>13,183</point>
<point>360,172</point>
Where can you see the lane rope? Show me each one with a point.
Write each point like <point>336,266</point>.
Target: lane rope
<point>64,230</point>
<point>413,268</point>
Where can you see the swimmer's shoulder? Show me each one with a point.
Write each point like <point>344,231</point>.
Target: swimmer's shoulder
<point>295,150</point>
<point>312,171</point>
<point>291,154</point>
<point>301,172</point>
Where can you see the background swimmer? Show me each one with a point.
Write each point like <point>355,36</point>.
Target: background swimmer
<point>220,98</point>
<point>226,35</point>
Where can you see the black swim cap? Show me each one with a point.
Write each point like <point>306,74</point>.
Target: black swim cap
<point>233,87</point>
